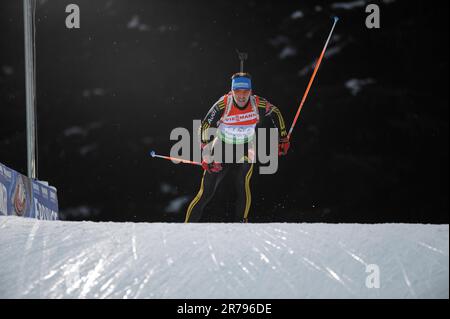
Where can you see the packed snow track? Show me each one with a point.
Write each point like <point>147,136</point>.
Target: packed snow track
<point>56,259</point>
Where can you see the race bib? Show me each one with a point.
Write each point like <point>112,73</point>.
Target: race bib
<point>236,134</point>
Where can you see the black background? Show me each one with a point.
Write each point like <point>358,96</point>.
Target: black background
<point>113,90</point>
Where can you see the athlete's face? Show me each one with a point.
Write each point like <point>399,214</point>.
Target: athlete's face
<point>241,97</point>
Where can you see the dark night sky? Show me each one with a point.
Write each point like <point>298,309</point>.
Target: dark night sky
<point>114,89</point>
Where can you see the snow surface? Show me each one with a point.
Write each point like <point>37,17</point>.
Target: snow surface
<point>56,259</point>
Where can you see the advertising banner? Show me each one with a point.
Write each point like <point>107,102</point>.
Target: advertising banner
<point>25,197</point>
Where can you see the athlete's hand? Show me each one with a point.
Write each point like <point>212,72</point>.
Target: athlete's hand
<point>283,146</point>
<point>213,167</point>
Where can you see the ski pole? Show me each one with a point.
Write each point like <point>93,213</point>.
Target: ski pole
<point>312,79</point>
<point>153,154</point>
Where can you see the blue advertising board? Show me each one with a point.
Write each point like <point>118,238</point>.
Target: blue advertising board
<point>22,196</point>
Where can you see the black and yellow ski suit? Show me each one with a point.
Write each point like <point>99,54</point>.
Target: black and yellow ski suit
<point>241,171</point>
